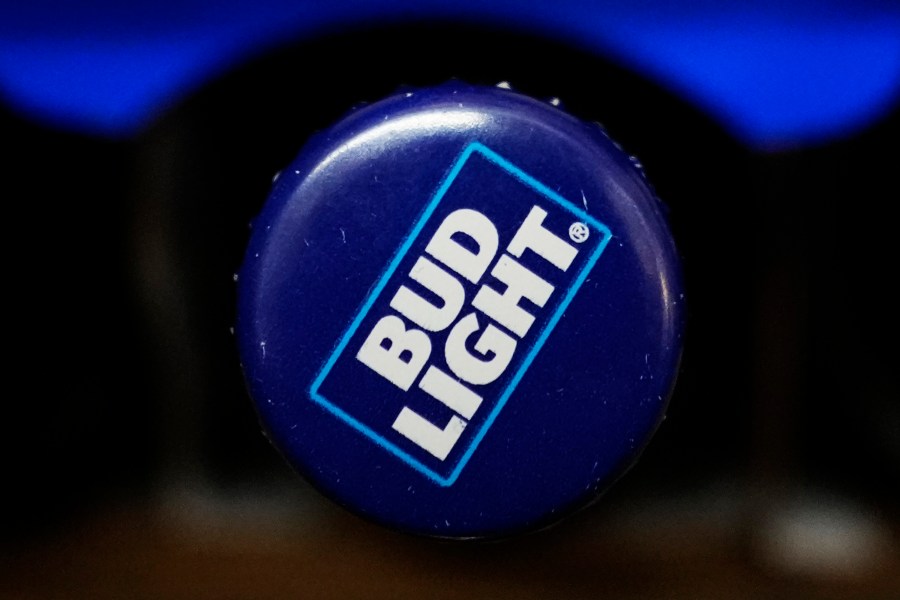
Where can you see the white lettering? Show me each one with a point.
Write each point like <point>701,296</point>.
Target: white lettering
<point>436,441</point>
<point>534,236</point>
<point>479,229</point>
<point>383,351</point>
<point>450,392</point>
<point>422,312</point>
<point>470,368</point>
<point>520,283</point>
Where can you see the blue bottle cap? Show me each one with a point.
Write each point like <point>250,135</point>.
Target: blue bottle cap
<point>460,312</point>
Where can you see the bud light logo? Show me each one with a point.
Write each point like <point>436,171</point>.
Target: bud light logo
<point>460,313</point>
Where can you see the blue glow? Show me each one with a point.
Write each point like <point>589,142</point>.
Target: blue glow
<point>772,82</point>
<point>773,75</point>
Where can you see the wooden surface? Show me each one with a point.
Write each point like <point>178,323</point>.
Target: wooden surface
<point>153,551</point>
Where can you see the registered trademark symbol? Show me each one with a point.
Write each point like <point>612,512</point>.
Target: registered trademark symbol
<point>579,232</point>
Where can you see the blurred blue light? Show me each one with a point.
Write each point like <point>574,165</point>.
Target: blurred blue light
<point>772,82</point>
<point>773,75</point>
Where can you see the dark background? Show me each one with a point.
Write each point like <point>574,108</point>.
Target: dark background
<point>133,462</point>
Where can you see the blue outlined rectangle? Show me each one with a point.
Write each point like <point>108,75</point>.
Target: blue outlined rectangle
<point>351,410</point>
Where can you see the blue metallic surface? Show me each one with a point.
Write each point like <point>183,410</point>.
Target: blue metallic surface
<point>772,73</point>
<point>588,384</point>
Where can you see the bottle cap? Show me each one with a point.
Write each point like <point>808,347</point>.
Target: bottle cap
<point>460,312</point>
